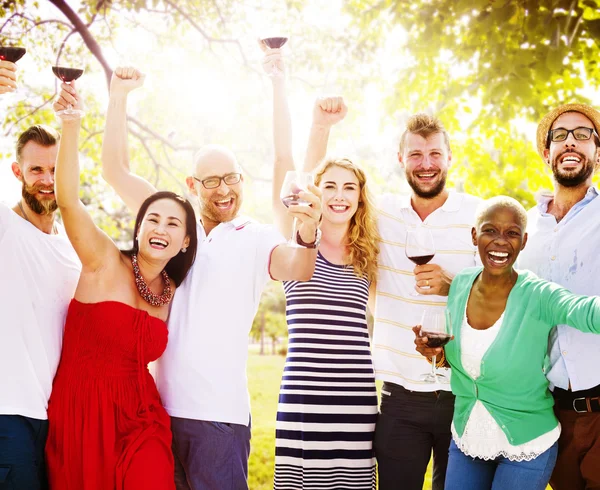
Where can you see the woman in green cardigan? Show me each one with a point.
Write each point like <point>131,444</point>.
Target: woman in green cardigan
<point>504,430</point>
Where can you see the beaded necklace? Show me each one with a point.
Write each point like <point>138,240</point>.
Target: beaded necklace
<point>144,290</point>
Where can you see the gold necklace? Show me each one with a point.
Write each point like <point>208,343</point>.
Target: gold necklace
<point>54,228</point>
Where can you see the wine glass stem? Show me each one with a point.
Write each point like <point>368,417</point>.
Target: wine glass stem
<point>294,231</point>
<point>433,368</point>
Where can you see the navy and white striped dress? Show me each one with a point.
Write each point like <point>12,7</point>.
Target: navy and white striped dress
<point>328,400</point>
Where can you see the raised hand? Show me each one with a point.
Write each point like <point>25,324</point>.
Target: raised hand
<point>329,111</point>
<point>273,60</point>
<point>8,77</point>
<point>67,95</point>
<point>125,79</point>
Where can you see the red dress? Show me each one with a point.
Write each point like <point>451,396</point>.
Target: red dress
<point>107,427</point>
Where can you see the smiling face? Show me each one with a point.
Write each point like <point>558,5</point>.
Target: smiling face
<point>499,236</point>
<point>35,170</point>
<point>573,161</point>
<point>341,194</point>
<point>426,162</point>
<point>222,203</point>
<point>162,231</point>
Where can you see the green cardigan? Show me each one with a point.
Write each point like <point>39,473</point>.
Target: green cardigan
<point>512,385</point>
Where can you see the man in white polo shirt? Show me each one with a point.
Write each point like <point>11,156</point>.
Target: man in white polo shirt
<point>202,374</point>
<point>39,273</point>
<point>415,416</point>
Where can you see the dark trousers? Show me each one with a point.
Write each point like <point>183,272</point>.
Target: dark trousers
<point>410,426</point>
<point>210,455</point>
<point>578,463</point>
<point>22,442</point>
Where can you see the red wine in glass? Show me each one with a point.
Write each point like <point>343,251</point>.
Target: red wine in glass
<point>65,74</point>
<point>68,75</point>
<point>275,42</point>
<point>436,339</point>
<point>420,259</point>
<point>12,53</point>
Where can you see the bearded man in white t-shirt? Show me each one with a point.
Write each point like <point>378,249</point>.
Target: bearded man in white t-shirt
<point>201,376</point>
<point>39,273</point>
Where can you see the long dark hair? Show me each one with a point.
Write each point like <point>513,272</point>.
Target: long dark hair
<point>179,266</point>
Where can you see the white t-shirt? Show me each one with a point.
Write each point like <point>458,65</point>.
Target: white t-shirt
<point>202,373</point>
<point>396,311</point>
<point>38,277</point>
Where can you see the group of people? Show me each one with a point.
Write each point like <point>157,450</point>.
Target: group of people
<point>79,409</point>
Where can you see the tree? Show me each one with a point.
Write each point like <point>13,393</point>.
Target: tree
<point>484,65</point>
<point>270,319</point>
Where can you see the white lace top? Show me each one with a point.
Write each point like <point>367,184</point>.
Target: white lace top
<point>483,438</point>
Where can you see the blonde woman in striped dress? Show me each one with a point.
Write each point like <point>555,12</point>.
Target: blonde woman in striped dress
<point>328,401</point>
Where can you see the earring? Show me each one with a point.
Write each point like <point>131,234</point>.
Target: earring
<point>184,250</point>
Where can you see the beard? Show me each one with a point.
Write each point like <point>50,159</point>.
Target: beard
<point>44,206</point>
<point>212,211</point>
<point>428,193</point>
<point>572,179</point>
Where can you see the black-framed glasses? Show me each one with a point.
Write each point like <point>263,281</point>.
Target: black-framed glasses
<point>214,182</point>
<point>580,134</point>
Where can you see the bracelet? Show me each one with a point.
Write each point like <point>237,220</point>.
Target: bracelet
<point>442,362</point>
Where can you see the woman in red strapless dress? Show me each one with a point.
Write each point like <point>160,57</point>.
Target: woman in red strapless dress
<point>107,427</point>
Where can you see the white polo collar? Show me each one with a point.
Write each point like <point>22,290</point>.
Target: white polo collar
<point>451,205</point>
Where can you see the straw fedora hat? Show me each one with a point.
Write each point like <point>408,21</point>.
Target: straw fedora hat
<point>548,119</point>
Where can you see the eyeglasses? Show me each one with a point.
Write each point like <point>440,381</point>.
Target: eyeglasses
<point>561,134</point>
<point>214,182</point>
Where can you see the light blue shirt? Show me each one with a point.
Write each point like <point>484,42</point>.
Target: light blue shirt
<point>568,253</point>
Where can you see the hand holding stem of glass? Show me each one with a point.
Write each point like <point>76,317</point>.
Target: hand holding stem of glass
<point>275,43</point>
<point>437,327</point>
<point>68,75</point>
<point>294,183</point>
<point>419,247</point>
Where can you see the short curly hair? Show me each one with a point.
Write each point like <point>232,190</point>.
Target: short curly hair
<point>501,202</point>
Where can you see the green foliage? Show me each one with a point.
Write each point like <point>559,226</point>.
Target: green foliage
<point>482,65</point>
<point>270,321</point>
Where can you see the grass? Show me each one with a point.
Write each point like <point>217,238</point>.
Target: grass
<point>264,377</point>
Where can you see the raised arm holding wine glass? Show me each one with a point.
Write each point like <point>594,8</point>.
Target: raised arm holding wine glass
<point>108,427</point>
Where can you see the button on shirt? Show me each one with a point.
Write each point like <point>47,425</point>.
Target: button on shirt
<point>202,374</point>
<point>567,253</point>
<point>396,311</point>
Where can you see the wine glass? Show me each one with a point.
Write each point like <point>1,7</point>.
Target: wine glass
<point>274,43</point>
<point>13,53</point>
<point>292,185</point>
<point>437,327</point>
<point>67,68</point>
<point>419,246</point>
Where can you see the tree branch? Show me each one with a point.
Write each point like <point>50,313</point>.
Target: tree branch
<point>204,34</point>
<point>85,34</point>
<point>29,114</point>
<point>157,136</point>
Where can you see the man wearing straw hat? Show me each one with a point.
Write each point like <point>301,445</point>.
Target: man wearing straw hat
<point>564,231</point>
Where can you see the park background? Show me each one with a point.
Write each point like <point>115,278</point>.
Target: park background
<point>489,69</point>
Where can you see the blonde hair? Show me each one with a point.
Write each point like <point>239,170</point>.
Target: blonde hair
<point>424,125</point>
<point>363,237</point>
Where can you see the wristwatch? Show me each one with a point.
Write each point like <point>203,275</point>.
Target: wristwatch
<point>314,244</point>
